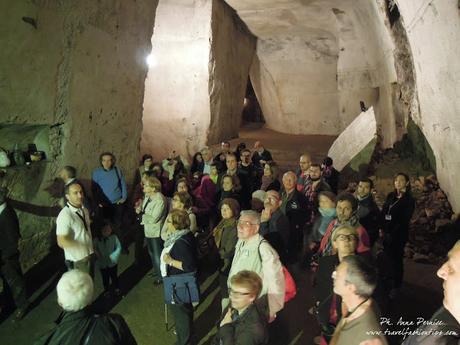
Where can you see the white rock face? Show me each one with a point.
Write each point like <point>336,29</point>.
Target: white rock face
<point>433,30</point>
<point>316,60</point>
<point>349,144</point>
<point>196,85</point>
<point>176,100</point>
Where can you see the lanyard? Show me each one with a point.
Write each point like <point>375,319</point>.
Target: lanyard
<point>393,204</point>
<point>145,206</point>
<point>83,219</point>
<point>355,308</point>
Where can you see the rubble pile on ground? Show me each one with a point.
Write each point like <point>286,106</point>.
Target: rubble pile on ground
<point>431,220</point>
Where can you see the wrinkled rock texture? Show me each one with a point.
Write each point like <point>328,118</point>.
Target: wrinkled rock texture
<point>195,87</point>
<point>232,51</point>
<point>316,60</point>
<point>432,28</point>
<point>80,73</point>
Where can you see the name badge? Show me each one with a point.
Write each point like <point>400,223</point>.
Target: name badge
<point>388,217</point>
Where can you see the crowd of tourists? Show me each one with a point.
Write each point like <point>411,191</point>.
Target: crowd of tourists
<point>232,210</point>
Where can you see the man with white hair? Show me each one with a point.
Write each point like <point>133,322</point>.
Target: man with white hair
<point>253,253</point>
<point>444,326</point>
<point>80,326</point>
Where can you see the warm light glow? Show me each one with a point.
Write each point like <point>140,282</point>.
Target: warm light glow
<point>150,59</point>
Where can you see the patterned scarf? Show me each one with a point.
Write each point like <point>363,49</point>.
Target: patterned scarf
<point>173,237</point>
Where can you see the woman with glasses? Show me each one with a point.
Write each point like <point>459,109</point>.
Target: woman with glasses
<point>179,256</point>
<point>181,201</point>
<point>243,323</point>
<point>344,242</point>
<point>225,238</point>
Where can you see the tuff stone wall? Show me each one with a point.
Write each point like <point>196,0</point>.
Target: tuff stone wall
<point>232,51</point>
<point>176,102</point>
<point>196,84</point>
<point>78,68</point>
<point>432,27</point>
<point>317,60</point>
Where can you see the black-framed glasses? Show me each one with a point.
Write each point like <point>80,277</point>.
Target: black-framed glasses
<point>348,238</point>
<point>245,223</point>
<point>237,293</point>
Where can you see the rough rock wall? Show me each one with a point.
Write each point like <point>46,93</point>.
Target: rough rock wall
<point>232,50</point>
<point>433,28</point>
<point>196,84</point>
<point>80,72</point>
<point>310,78</point>
<point>365,64</point>
<point>176,102</point>
<point>295,82</point>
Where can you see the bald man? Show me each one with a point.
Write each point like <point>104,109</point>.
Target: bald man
<point>294,206</point>
<point>260,156</point>
<point>274,226</point>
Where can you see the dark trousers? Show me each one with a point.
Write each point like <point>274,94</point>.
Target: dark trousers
<point>114,213</point>
<point>295,243</point>
<point>223,284</point>
<point>155,246</point>
<point>396,253</point>
<point>13,281</point>
<point>110,274</point>
<point>183,318</point>
<point>139,243</point>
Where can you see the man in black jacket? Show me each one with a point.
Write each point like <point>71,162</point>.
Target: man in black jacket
<point>243,322</point>
<point>10,268</point>
<point>274,226</point>
<point>77,324</point>
<point>294,206</point>
<point>368,211</point>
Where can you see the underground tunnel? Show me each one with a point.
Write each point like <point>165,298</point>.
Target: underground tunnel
<point>373,84</point>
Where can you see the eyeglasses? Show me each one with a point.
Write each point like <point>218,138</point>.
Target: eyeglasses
<point>246,223</point>
<point>238,293</point>
<point>347,238</point>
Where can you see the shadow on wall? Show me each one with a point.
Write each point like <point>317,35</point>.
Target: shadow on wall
<point>414,144</point>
